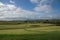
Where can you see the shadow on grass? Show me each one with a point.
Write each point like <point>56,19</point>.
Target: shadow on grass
<point>55,35</point>
<point>9,28</point>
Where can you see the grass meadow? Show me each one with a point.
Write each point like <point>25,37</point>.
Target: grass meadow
<point>38,31</point>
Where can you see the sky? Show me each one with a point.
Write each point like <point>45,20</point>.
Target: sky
<point>29,9</point>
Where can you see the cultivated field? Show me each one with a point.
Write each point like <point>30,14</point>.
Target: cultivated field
<point>37,31</point>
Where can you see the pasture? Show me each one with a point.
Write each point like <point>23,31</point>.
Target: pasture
<point>37,31</point>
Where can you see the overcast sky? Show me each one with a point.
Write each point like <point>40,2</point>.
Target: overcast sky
<point>29,9</point>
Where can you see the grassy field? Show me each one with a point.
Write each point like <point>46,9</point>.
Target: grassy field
<point>29,31</point>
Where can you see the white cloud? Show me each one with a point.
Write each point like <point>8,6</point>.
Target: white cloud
<point>35,1</point>
<point>44,9</point>
<point>43,6</point>
<point>11,1</point>
<point>11,11</point>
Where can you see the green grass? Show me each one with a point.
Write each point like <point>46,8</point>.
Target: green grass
<point>55,35</point>
<point>30,32</point>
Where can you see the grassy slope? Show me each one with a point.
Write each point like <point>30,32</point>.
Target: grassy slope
<point>43,32</point>
<point>46,36</point>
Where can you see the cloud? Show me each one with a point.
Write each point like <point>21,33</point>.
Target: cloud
<point>43,5</point>
<point>9,12</point>
<point>44,9</point>
<point>35,1</point>
<point>11,1</point>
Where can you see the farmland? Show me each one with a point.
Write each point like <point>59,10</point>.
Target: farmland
<point>29,31</point>
<point>27,28</point>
